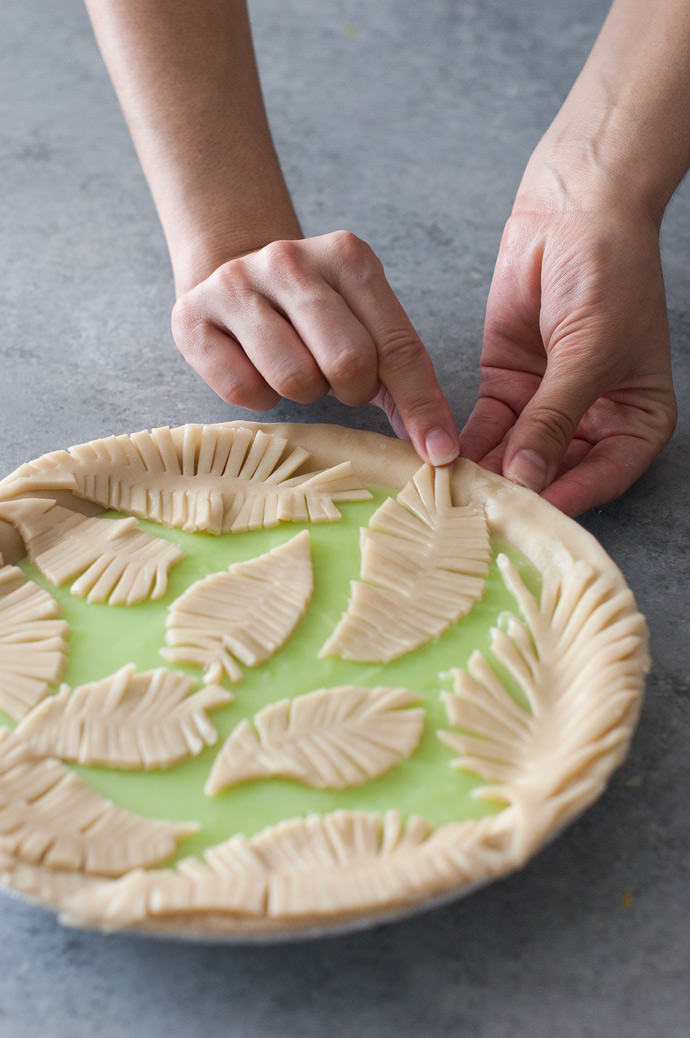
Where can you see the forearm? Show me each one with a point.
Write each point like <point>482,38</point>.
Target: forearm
<point>186,78</point>
<point>624,129</point>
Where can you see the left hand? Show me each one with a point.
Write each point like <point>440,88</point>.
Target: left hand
<point>576,396</point>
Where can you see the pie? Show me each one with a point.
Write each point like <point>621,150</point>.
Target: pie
<point>258,680</point>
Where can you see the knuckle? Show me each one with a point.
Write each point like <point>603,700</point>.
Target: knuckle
<point>554,426</point>
<point>350,367</point>
<point>401,350</point>
<point>348,243</point>
<point>242,389</point>
<point>280,258</point>
<point>295,383</point>
<point>234,392</point>
<point>669,423</point>
<point>187,323</point>
<point>233,283</point>
<point>353,252</point>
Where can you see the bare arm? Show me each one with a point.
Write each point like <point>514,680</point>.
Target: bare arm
<point>186,78</point>
<point>261,312</point>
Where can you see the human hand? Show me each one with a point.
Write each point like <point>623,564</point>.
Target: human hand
<point>303,318</point>
<point>576,396</point>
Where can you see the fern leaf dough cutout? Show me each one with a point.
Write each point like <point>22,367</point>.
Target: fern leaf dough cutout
<point>112,559</point>
<point>345,861</point>
<point>330,739</point>
<point>214,478</point>
<point>424,565</point>
<point>581,635</point>
<point>126,720</point>
<point>33,642</point>
<point>50,817</point>
<point>245,614</point>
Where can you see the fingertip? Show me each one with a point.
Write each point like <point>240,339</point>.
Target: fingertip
<point>441,447</point>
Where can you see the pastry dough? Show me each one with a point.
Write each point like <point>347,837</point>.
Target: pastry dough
<point>424,564</point>
<point>536,718</point>
<point>33,642</point>
<point>128,720</point>
<point>331,738</point>
<point>247,613</point>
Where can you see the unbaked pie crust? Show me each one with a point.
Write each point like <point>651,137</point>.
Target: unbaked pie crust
<point>576,651</point>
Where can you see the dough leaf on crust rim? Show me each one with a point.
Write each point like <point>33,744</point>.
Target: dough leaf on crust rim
<point>51,817</point>
<point>342,863</point>
<point>574,655</point>
<point>212,478</point>
<point>33,642</point>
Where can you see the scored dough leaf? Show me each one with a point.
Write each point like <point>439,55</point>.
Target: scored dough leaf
<point>331,738</point>
<point>339,863</point>
<point>50,817</point>
<point>126,720</point>
<point>247,612</point>
<point>43,885</point>
<point>113,560</point>
<point>33,642</point>
<point>198,477</point>
<point>576,658</point>
<point>424,565</point>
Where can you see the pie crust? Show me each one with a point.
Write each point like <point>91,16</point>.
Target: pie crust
<point>540,718</point>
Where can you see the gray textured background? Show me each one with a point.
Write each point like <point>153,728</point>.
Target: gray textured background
<point>412,131</point>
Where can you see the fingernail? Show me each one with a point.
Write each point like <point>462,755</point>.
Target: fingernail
<point>441,448</point>
<point>528,469</point>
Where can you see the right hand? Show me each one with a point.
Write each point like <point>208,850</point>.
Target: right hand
<point>303,318</point>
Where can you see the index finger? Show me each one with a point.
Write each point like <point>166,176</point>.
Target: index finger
<point>404,366</point>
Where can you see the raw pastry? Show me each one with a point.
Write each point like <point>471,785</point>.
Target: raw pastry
<point>438,672</point>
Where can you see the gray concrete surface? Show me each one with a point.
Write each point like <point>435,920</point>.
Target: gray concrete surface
<point>409,124</point>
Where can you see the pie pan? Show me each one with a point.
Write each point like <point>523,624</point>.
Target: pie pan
<point>259,682</point>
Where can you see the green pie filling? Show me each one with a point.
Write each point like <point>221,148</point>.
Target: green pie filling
<point>104,638</point>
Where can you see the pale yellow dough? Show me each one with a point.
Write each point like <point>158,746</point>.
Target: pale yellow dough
<point>33,642</point>
<point>330,739</point>
<point>113,560</point>
<point>424,565</point>
<point>577,654</point>
<point>246,613</point>
<point>50,817</point>
<point>128,720</point>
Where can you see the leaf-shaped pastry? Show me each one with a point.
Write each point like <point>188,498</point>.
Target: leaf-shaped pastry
<point>330,738</point>
<point>247,612</point>
<point>576,658</point>
<point>33,642</point>
<point>49,816</point>
<point>198,477</point>
<point>424,565</point>
<point>338,864</point>
<point>44,885</point>
<point>126,720</point>
<point>350,861</point>
<point>191,889</point>
<point>113,560</point>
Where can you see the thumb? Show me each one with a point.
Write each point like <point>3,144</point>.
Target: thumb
<point>542,434</point>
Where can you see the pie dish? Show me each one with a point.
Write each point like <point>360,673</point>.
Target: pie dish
<point>263,680</point>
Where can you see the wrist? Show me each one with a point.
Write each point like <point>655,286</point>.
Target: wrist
<point>596,164</point>
<point>212,219</point>
<point>622,137</point>
<point>199,250</point>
